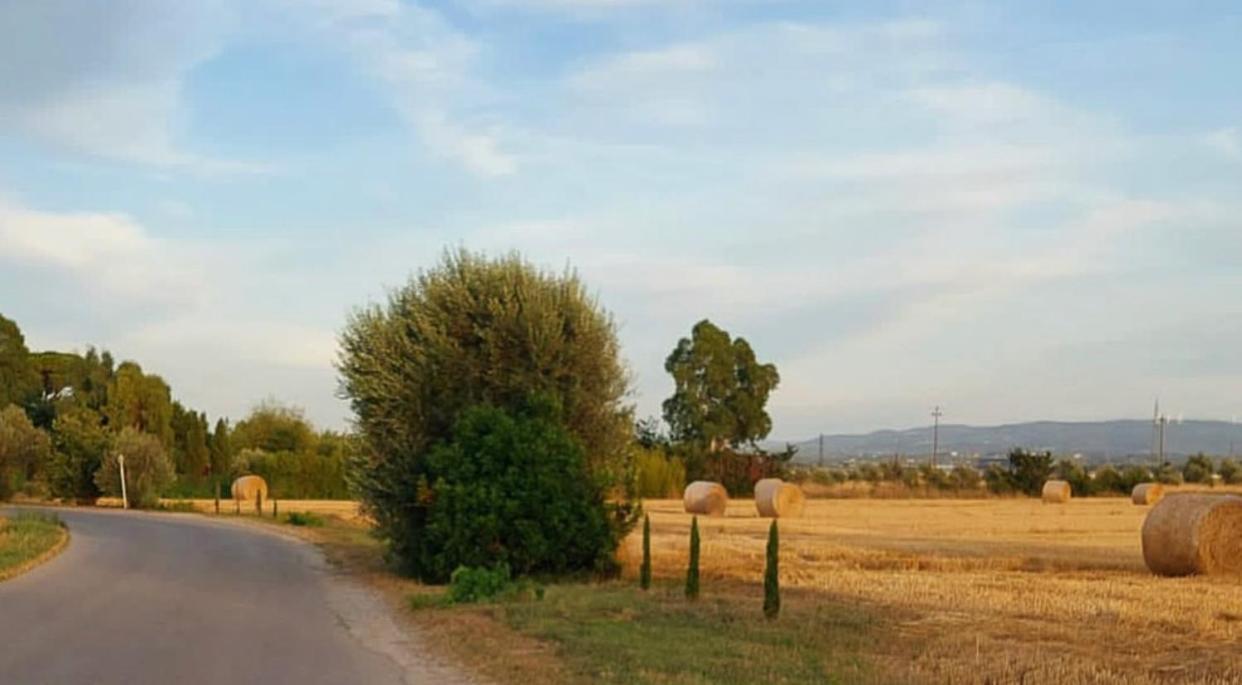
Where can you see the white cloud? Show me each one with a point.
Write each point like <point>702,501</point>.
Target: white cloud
<point>1225,141</point>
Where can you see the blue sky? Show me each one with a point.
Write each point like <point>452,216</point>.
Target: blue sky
<point>1016,211</point>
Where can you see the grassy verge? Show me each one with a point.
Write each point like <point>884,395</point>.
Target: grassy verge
<point>27,540</point>
<point>615,633</point>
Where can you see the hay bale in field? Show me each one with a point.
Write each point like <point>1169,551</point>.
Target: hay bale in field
<point>706,498</point>
<point>1187,534</point>
<point>1057,492</point>
<point>1147,493</point>
<point>774,498</point>
<point>246,488</point>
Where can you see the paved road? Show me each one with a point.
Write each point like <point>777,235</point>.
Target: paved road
<point>141,598</point>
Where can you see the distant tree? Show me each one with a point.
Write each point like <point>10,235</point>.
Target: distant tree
<point>274,427</point>
<point>1106,479</point>
<point>771,575</point>
<point>221,449</point>
<point>1133,475</point>
<point>649,435</point>
<point>79,441</point>
<point>142,402</point>
<point>692,570</point>
<point>720,392</point>
<point>474,331</point>
<point>148,468</point>
<point>18,381</point>
<point>1029,471</point>
<point>1230,472</point>
<point>965,478</point>
<point>1198,469</point>
<point>24,450</point>
<point>1075,474</point>
<point>1168,474</point>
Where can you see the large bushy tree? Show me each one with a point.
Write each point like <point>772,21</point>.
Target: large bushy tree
<point>24,450</point>
<point>721,390</point>
<point>80,441</point>
<point>18,381</point>
<point>140,401</point>
<point>478,331</point>
<point>148,468</point>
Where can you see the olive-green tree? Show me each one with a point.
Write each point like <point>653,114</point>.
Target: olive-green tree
<point>148,468</point>
<point>140,401</point>
<point>24,450</point>
<point>721,390</point>
<point>79,441</point>
<point>18,380</point>
<point>479,331</point>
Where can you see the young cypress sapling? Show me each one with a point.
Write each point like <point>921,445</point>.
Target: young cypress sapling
<point>771,575</point>
<point>644,573</point>
<point>692,574</point>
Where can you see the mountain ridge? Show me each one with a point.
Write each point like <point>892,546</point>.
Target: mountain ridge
<point>1112,439</point>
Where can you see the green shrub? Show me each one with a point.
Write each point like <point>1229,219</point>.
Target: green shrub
<point>658,475</point>
<point>303,518</point>
<point>514,490</point>
<point>468,585</point>
<point>177,506</point>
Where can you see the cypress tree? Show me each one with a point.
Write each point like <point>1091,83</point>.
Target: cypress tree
<point>692,574</point>
<point>644,573</point>
<point>771,576</point>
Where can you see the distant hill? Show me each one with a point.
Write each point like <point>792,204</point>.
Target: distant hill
<point>1097,440</point>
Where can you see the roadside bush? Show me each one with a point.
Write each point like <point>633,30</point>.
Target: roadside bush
<point>468,584</point>
<point>303,518</point>
<point>148,469</point>
<point>658,475</point>
<point>511,490</point>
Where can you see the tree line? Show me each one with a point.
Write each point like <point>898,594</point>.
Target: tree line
<point>65,417</point>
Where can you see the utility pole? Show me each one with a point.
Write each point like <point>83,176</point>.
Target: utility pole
<point>821,450</point>
<point>936,414</point>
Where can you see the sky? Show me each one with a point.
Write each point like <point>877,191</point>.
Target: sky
<point>1016,211</point>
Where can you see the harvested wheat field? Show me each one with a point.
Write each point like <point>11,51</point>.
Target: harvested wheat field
<point>983,590</point>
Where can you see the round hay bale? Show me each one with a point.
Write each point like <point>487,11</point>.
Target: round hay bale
<point>1057,492</point>
<point>1187,534</point>
<point>246,488</point>
<point>1147,493</point>
<point>706,498</point>
<point>774,498</point>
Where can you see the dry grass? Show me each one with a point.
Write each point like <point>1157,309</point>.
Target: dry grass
<point>992,590</point>
<point>345,509</point>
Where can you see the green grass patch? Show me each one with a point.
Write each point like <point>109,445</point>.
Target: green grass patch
<point>304,518</point>
<point>614,633</point>
<point>27,538</point>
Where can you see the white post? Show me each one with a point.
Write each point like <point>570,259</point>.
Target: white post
<point>120,459</point>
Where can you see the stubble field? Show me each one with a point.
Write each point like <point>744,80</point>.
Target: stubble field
<point>981,590</point>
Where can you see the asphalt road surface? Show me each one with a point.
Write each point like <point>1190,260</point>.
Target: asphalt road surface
<point>143,598</point>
